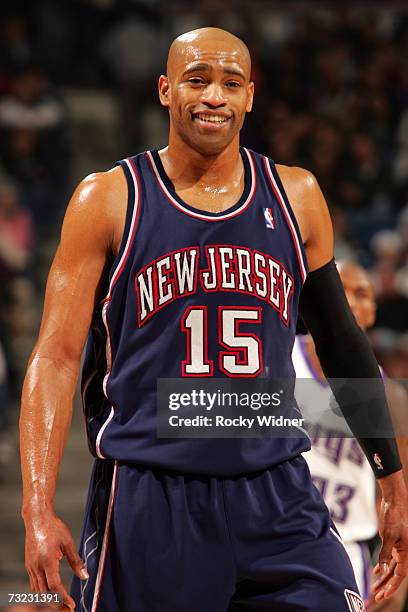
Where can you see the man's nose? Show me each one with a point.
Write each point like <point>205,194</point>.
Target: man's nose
<point>213,95</point>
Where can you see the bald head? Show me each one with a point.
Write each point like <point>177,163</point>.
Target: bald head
<point>346,266</point>
<point>352,271</point>
<point>189,47</point>
<point>207,90</point>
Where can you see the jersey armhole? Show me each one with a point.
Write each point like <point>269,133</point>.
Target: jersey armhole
<point>289,215</point>
<point>132,215</point>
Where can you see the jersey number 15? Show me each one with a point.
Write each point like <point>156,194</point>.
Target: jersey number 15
<point>243,354</point>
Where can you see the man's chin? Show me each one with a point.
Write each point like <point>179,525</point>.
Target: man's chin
<point>212,144</point>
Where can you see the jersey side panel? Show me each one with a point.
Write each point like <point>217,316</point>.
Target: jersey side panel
<point>96,404</point>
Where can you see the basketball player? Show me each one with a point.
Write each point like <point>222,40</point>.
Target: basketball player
<point>337,464</point>
<point>189,262</point>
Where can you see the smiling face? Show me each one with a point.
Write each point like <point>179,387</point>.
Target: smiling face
<point>207,89</point>
<point>359,292</point>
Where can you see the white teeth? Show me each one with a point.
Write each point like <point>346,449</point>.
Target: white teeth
<point>211,118</point>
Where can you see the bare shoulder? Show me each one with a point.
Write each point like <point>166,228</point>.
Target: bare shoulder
<point>98,206</point>
<point>296,174</point>
<point>311,212</point>
<point>81,263</point>
<point>303,193</point>
<point>300,184</point>
<point>100,190</point>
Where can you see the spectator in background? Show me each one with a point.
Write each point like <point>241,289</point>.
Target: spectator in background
<point>385,346</point>
<point>30,104</point>
<point>344,246</point>
<point>387,249</point>
<point>402,228</point>
<point>16,234</point>
<point>33,146</point>
<point>368,169</point>
<point>392,304</point>
<point>132,51</point>
<point>16,248</point>
<point>16,49</point>
<point>7,416</point>
<point>400,169</point>
<point>402,275</point>
<point>3,391</point>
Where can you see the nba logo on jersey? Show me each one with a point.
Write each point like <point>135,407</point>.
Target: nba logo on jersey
<point>354,601</point>
<point>378,461</point>
<point>269,222</point>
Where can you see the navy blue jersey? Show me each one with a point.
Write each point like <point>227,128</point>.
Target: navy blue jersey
<point>193,294</point>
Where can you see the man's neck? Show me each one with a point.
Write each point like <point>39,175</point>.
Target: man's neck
<point>187,167</point>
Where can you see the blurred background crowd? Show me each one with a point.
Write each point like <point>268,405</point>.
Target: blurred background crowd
<point>78,90</point>
<point>78,82</point>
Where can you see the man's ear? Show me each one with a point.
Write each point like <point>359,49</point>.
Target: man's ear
<point>251,88</point>
<point>164,89</point>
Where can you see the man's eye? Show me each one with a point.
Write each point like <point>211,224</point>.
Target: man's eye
<point>196,81</point>
<point>232,84</point>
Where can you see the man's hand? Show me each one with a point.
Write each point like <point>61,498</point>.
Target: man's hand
<point>393,527</point>
<point>48,540</point>
<point>395,603</point>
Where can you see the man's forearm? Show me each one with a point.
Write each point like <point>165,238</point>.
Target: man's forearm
<point>347,361</point>
<point>45,419</point>
<point>392,486</point>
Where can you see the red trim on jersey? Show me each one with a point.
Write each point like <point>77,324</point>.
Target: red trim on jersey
<point>187,330</point>
<point>107,299</point>
<point>288,219</point>
<point>202,216</point>
<point>173,281</point>
<point>129,241</point>
<point>237,351</point>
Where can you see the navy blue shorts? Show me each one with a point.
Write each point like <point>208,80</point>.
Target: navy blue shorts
<point>160,542</point>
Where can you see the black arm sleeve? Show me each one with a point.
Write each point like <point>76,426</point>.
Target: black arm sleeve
<point>345,355</point>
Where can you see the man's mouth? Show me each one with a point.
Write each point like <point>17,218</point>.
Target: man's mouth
<point>211,118</point>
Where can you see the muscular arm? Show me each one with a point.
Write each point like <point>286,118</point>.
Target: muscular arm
<point>89,236</point>
<point>312,214</point>
<point>344,353</point>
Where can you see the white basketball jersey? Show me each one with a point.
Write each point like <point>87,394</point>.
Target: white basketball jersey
<point>338,466</point>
